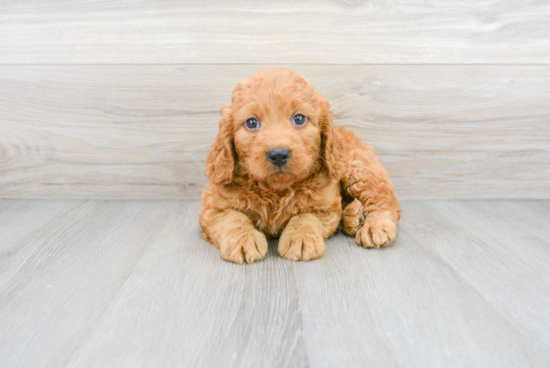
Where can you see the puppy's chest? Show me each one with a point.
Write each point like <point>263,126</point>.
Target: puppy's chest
<point>270,214</point>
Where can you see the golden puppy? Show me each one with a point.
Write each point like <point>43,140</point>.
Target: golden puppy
<point>279,167</point>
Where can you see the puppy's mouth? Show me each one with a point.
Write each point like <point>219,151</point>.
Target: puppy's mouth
<point>280,170</point>
<point>285,173</point>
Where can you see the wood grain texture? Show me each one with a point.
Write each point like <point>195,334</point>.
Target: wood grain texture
<point>418,304</point>
<point>130,283</point>
<point>72,292</point>
<point>501,241</point>
<point>283,32</point>
<point>143,131</point>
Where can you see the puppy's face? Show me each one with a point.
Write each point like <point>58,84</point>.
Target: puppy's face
<point>277,130</point>
<point>277,120</point>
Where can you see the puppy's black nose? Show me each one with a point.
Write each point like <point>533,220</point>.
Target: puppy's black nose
<point>278,156</point>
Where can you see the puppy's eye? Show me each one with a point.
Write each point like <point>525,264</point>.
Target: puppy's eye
<point>299,120</point>
<point>252,124</point>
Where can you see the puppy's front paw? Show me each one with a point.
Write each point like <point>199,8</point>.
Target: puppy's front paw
<point>378,231</point>
<point>244,246</point>
<point>301,245</point>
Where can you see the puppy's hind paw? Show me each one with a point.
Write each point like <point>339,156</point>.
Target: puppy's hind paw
<point>353,217</point>
<point>378,231</point>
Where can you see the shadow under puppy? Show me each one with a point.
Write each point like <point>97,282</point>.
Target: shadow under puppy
<point>279,167</point>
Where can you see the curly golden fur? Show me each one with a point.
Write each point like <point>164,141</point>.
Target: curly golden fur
<point>328,169</point>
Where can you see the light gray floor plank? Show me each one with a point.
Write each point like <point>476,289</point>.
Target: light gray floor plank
<point>403,306</point>
<point>24,225</point>
<point>507,265</point>
<point>126,284</point>
<point>20,219</point>
<point>522,225</point>
<point>534,214</point>
<point>184,306</point>
<point>61,287</point>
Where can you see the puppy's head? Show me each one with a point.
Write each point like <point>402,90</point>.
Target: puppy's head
<point>277,130</point>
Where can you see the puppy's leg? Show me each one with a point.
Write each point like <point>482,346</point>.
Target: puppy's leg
<point>305,235</point>
<point>233,233</point>
<point>367,181</point>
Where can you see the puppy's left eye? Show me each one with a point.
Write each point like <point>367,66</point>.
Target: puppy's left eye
<point>299,120</point>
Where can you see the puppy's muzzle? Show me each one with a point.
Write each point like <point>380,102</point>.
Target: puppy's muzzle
<point>278,156</point>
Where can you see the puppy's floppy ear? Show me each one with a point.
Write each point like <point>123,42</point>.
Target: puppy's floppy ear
<point>331,147</point>
<point>220,162</point>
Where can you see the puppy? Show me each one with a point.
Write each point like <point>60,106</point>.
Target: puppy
<point>280,168</point>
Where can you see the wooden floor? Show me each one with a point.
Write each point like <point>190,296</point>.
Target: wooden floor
<point>131,283</point>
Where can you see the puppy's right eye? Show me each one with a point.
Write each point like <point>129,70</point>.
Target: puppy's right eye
<point>252,124</point>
